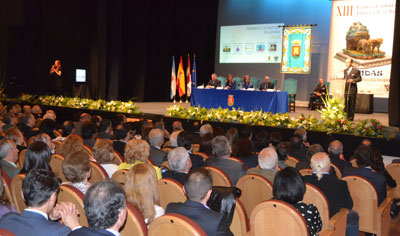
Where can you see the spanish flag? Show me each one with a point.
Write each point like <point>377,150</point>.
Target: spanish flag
<point>188,79</point>
<point>181,79</point>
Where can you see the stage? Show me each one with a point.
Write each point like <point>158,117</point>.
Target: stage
<point>159,108</point>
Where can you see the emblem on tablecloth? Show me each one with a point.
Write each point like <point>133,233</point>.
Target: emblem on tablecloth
<point>231,100</point>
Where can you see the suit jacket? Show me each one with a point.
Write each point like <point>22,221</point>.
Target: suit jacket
<point>246,86</point>
<point>268,174</point>
<point>104,135</point>
<point>157,155</point>
<point>215,83</point>
<point>320,89</point>
<point>335,190</point>
<point>84,231</point>
<point>10,170</point>
<point>32,224</point>
<point>300,154</point>
<point>355,75</point>
<point>376,179</point>
<point>197,161</point>
<point>232,85</point>
<point>178,176</point>
<point>213,223</point>
<point>27,131</point>
<point>339,162</point>
<point>233,169</point>
<point>264,85</point>
<point>119,147</point>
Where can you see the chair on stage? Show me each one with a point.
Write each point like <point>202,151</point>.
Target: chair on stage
<point>173,224</point>
<point>223,81</point>
<point>219,177</point>
<point>275,82</point>
<point>255,81</point>
<point>170,191</point>
<point>238,81</point>
<point>290,86</point>
<point>318,103</point>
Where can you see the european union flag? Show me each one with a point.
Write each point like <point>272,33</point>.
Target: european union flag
<point>194,79</point>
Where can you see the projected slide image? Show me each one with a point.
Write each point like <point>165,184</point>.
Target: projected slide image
<point>261,43</point>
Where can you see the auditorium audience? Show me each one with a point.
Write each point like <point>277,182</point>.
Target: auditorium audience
<point>39,189</point>
<point>37,157</point>
<point>185,140</point>
<point>378,166</point>
<point>5,204</point>
<point>260,141</point>
<point>136,152</point>
<point>73,143</point>
<point>26,110</point>
<point>48,126</point>
<point>289,187</point>
<point>282,150</point>
<point>232,135</point>
<point>89,133</point>
<point>222,150</point>
<point>156,140</point>
<point>123,136</point>
<point>179,163</point>
<point>27,124</point>
<point>50,114</point>
<point>9,120</point>
<point>142,191</point>
<point>205,129</point>
<point>68,127</point>
<point>297,149</point>
<point>197,187</point>
<point>335,190</point>
<point>84,117</point>
<point>105,208</point>
<point>15,135</point>
<point>268,164</point>
<point>303,134</point>
<point>37,111</point>
<point>305,163</point>
<point>173,138</point>
<point>105,129</point>
<point>275,138</point>
<point>8,158</point>
<point>76,168</point>
<point>104,155</point>
<point>205,144</point>
<point>243,149</point>
<point>45,138</point>
<point>176,126</point>
<point>336,155</point>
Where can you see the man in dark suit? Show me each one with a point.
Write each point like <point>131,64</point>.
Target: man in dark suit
<point>335,150</point>
<point>214,82</point>
<point>105,130</point>
<point>364,156</point>
<point>27,124</point>
<point>335,190</point>
<point>198,190</point>
<point>105,208</point>
<point>186,141</point>
<point>266,84</point>
<point>352,76</point>
<point>123,136</point>
<point>39,189</point>
<point>318,93</point>
<point>179,163</point>
<point>156,139</point>
<point>297,148</point>
<point>222,150</point>
<point>8,158</point>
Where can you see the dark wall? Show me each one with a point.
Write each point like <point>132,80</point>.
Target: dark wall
<point>125,46</point>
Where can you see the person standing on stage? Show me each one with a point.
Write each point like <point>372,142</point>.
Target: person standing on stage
<point>352,76</point>
<point>214,82</point>
<point>230,83</point>
<point>246,82</point>
<point>267,84</point>
<point>319,92</point>
<point>55,74</point>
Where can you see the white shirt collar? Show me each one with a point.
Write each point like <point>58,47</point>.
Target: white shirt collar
<point>38,212</point>
<point>12,163</point>
<point>116,233</point>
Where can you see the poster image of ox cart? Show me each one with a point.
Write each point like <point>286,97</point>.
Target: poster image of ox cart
<point>364,50</point>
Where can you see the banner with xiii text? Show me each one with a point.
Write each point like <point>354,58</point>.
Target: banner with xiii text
<point>296,49</point>
<point>363,31</point>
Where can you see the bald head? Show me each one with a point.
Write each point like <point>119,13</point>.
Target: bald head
<point>335,148</point>
<point>268,159</point>
<point>320,163</point>
<point>156,137</point>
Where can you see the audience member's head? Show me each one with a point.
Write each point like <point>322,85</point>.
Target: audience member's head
<point>159,125</point>
<point>220,146</point>
<point>105,126</point>
<point>96,119</point>
<point>366,142</point>
<point>377,161</point>
<point>76,167</point>
<point>136,150</point>
<point>243,147</point>
<point>335,148</point>
<point>156,137</point>
<point>122,132</point>
<point>268,159</point>
<point>218,131</point>
<point>105,205</point>
<point>260,140</point>
<point>15,135</point>
<point>198,184</point>
<point>179,160</point>
<point>71,144</point>
<point>205,144</point>
<point>142,190</point>
<point>363,155</point>
<point>68,128</point>
<point>177,125</point>
<point>185,140</point>
<point>8,151</point>
<point>85,117</point>
<point>26,109</point>
<point>89,130</point>
<point>275,138</point>
<point>47,126</point>
<point>289,186</point>
<point>206,129</point>
<point>315,148</point>
<point>302,133</point>
<point>50,114</point>
<point>103,151</point>
<point>283,149</point>
<point>28,120</point>
<point>10,119</point>
<point>320,164</point>
<point>232,135</point>
<point>43,137</point>
<point>37,157</point>
<point>118,119</point>
<point>245,132</point>
<point>295,142</point>
<point>37,110</point>
<point>173,138</point>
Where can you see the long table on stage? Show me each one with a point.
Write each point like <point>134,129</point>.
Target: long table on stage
<point>275,102</point>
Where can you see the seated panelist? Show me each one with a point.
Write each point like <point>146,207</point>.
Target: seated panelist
<point>246,82</point>
<point>230,83</point>
<point>267,84</point>
<point>214,82</point>
<point>319,91</point>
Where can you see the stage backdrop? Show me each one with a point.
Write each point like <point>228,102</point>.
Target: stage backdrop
<point>363,30</point>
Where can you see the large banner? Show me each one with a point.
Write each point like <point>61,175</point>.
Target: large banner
<point>296,49</point>
<point>362,30</point>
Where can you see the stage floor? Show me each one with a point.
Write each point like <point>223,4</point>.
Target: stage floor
<point>160,108</point>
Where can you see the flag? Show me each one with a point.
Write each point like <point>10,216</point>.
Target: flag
<point>173,79</point>
<point>181,79</point>
<point>193,78</point>
<point>188,78</point>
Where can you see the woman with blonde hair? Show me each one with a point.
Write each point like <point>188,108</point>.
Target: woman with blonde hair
<point>71,144</point>
<point>136,152</point>
<point>142,191</point>
<point>103,152</point>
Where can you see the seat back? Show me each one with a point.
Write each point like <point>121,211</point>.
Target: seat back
<point>337,171</point>
<point>88,149</point>
<point>56,162</point>
<point>365,202</point>
<point>118,158</point>
<point>291,161</point>
<point>68,193</point>
<point>4,232</point>
<point>175,225</point>
<point>21,159</point>
<point>275,82</point>
<point>240,221</point>
<point>202,154</point>
<point>219,177</point>
<point>238,81</point>
<point>255,81</point>
<point>278,218</point>
<point>6,187</point>
<point>327,87</point>
<point>394,171</point>
<point>240,161</point>
<point>98,172</point>
<point>255,189</point>
<point>290,86</point>
<point>223,81</point>
<point>304,172</point>
<point>134,224</point>
<point>16,192</point>
<point>119,176</point>
<point>170,191</point>
<point>317,198</point>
